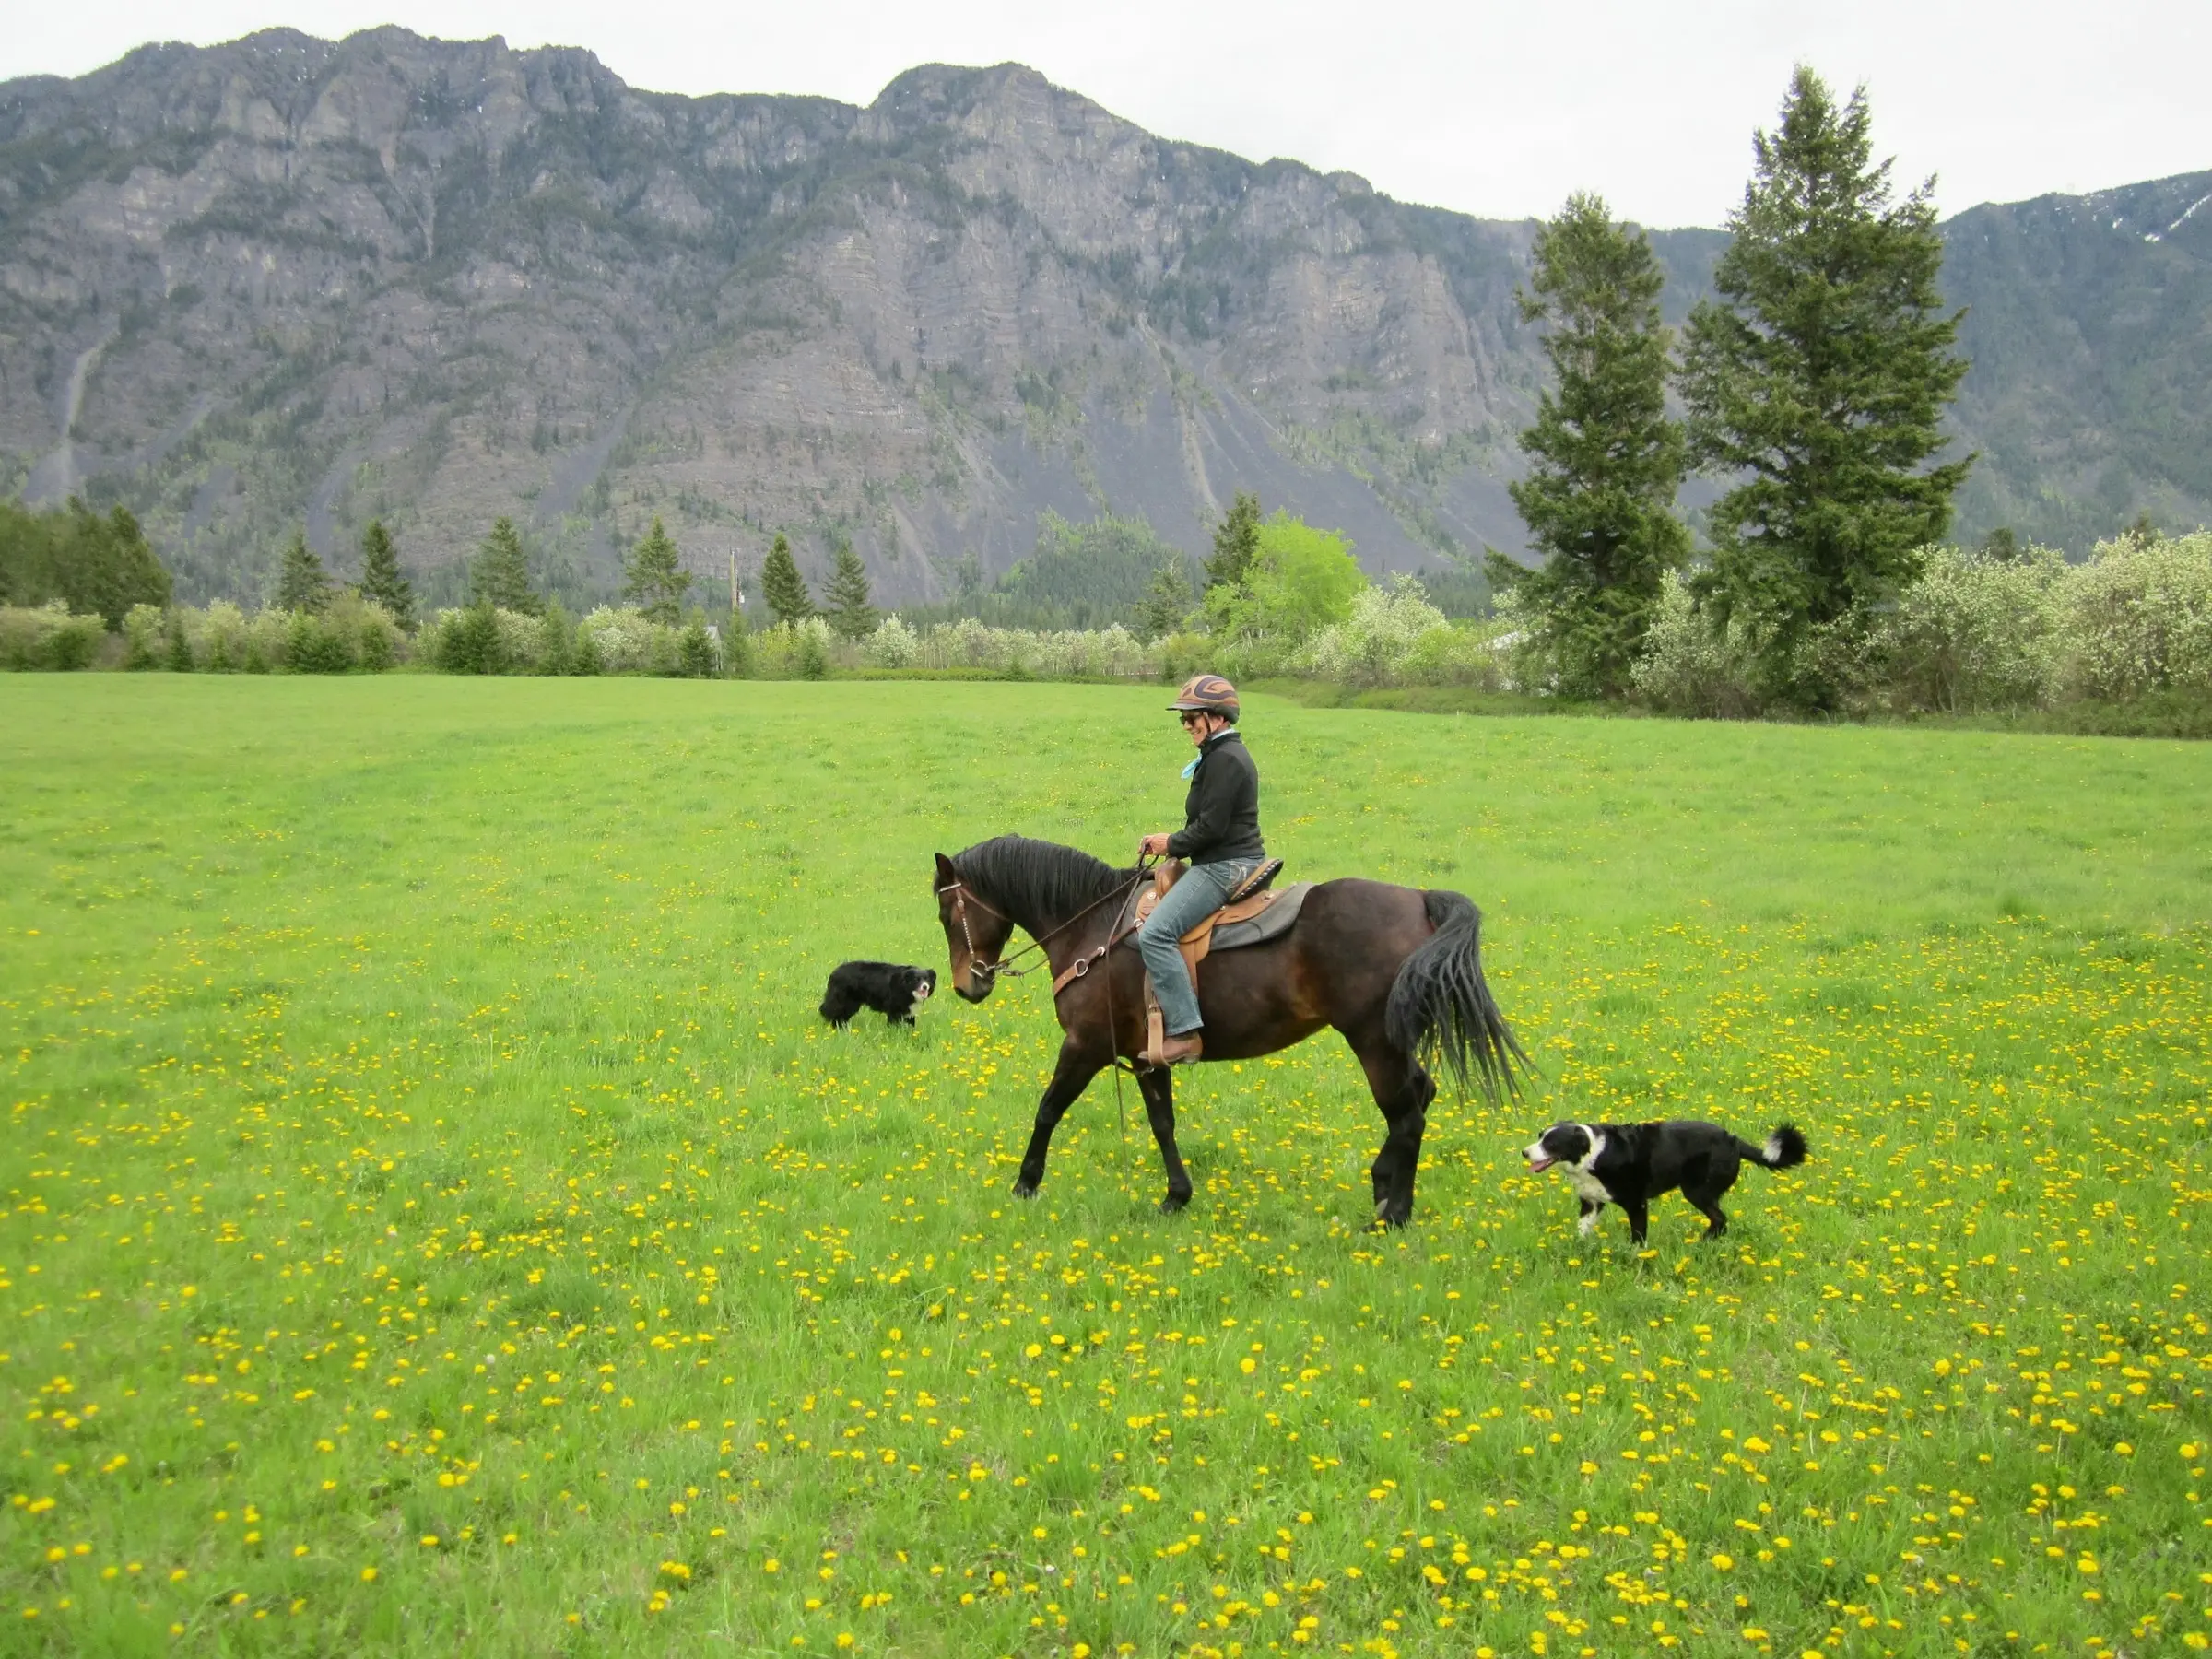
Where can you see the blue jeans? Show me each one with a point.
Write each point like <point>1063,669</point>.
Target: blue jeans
<point>1189,902</point>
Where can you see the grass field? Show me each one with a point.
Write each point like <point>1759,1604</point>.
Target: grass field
<point>435,1220</point>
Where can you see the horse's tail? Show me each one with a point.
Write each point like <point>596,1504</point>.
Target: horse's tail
<point>1441,1006</point>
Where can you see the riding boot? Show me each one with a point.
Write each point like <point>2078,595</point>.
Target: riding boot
<point>1176,1051</point>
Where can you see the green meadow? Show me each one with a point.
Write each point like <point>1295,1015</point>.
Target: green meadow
<point>435,1220</point>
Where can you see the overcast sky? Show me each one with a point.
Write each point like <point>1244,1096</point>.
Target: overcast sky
<point>1492,109</point>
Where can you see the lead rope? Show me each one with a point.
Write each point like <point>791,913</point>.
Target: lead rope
<point>1114,1040</point>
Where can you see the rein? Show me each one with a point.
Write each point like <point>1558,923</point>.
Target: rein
<point>961,892</point>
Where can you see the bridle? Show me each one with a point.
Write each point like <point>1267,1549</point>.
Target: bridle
<point>961,893</point>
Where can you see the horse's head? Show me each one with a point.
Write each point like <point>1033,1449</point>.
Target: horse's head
<point>975,933</point>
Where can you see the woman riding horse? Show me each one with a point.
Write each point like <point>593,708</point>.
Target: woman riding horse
<point>1398,971</point>
<point>1221,839</point>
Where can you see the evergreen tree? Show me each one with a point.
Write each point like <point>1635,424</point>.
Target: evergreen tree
<point>814,661</point>
<point>381,580</point>
<point>500,576</point>
<point>1236,543</point>
<point>557,639</point>
<point>470,642</point>
<point>1819,377</point>
<point>782,586</point>
<point>1599,500</point>
<point>1166,602</point>
<point>851,616</point>
<point>737,647</point>
<point>656,581</point>
<point>968,580</point>
<point>589,658</point>
<point>695,649</point>
<point>301,585</point>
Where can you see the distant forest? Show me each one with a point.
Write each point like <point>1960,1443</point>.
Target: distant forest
<point>1098,572</point>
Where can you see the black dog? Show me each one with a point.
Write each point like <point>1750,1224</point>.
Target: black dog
<point>892,991</point>
<point>1630,1164</point>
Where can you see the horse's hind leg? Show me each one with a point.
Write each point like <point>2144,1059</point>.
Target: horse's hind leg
<point>1403,1091</point>
<point>1070,1078</point>
<point>1158,1085</point>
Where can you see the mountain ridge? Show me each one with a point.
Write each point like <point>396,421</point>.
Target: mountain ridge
<point>288,279</point>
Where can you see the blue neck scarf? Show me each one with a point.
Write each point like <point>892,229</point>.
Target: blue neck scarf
<point>1192,765</point>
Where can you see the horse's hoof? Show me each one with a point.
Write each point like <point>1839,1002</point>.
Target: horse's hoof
<point>1173,1204</point>
<point>1025,1189</point>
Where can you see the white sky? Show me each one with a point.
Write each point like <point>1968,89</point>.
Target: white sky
<point>1494,109</point>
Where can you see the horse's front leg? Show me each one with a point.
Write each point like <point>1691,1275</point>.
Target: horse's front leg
<point>1158,1085</point>
<point>1078,1063</point>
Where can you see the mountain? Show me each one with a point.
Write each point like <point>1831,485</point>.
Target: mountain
<point>289,279</point>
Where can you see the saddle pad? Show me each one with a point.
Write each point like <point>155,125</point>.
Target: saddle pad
<point>1272,923</point>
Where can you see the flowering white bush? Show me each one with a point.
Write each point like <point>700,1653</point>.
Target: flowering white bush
<point>1972,633</point>
<point>1370,646</point>
<point>892,645</point>
<point>1692,666</point>
<point>522,640</point>
<point>48,635</point>
<point>2137,618</point>
<point>630,641</point>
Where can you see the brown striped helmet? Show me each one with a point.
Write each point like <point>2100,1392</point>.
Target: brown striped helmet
<point>1206,694</point>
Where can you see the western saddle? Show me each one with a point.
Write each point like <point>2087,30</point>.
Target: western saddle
<point>1254,894</point>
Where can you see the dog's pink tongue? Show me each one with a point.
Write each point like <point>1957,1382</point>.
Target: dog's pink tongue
<point>1537,1166</point>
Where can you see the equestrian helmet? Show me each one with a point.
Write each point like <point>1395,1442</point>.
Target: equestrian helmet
<point>1206,694</point>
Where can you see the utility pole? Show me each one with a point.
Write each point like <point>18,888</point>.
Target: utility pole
<point>736,592</point>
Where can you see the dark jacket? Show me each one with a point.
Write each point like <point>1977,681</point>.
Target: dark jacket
<point>1223,806</point>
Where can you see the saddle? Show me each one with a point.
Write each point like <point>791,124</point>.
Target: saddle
<point>1254,912</point>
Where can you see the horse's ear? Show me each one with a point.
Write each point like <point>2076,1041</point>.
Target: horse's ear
<point>946,875</point>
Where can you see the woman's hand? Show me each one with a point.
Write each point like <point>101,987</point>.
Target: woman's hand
<point>1154,845</point>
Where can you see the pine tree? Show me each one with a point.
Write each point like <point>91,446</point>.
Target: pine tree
<point>695,649</point>
<point>500,576</point>
<point>301,585</point>
<point>656,579</point>
<point>557,639</point>
<point>1236,542</point>
<point>1819,376</point>
<point>851,616</point>
<point>1166,602</point>
<point>589,658</point>
<point>381,580</point>
<point>782,586</point>
<point>1599,500</point>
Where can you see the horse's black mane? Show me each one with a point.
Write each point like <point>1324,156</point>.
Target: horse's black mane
<point>1042,880</point>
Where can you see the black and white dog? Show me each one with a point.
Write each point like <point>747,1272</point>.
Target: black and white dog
<point>1630,1164</point>
<point>894,992</point>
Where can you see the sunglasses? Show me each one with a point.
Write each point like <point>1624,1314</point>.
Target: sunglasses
<point>1191,717</point>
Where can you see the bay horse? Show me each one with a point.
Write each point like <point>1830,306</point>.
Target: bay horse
<point>1397,969</point>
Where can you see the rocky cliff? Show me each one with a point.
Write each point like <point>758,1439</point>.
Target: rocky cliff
<point>287,278</point>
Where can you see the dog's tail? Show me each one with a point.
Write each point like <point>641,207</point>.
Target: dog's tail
<point>1784,1148</point>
